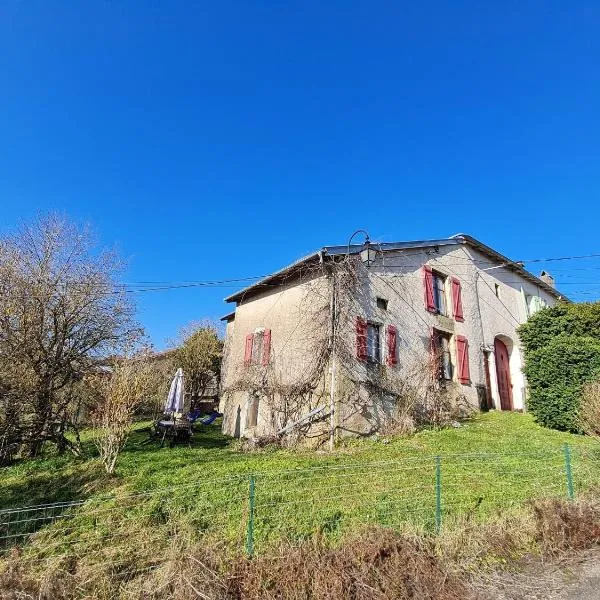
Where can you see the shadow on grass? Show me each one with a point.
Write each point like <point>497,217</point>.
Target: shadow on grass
<point>31,503</point>
<point>206,437</point>
<point>58,479</point>
<point>54,485</point>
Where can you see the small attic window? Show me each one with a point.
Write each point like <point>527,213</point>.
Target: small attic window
<point>382,303</point>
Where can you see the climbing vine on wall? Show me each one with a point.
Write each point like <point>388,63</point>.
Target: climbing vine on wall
<point>335,294</point>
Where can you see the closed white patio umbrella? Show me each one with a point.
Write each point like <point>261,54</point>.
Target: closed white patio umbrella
<point>174,402</point>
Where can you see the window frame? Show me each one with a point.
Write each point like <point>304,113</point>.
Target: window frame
<point>260,349</point>
<point>252,410</point>
<point>257,347</point>
<point>373,349</point>
<point>438,276</point>
<point>444,356</point>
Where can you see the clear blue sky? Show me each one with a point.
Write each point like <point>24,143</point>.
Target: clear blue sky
<point>225,139</point>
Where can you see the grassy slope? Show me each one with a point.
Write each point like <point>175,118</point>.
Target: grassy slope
<point>383,481</point>
<point>212,455</point>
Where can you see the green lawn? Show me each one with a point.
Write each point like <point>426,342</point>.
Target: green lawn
<point>492,463</point>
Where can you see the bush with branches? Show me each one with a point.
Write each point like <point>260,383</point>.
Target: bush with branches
<point>119,393</point>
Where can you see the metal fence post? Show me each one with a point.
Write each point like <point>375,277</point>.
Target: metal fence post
<point>569,472</point>
<point>438,494</point>
<point>250,531</point>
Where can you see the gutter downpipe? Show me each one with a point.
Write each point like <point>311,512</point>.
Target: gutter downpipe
<point>332,369</point>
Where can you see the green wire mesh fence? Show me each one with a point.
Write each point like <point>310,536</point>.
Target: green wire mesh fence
<point>252,512</point>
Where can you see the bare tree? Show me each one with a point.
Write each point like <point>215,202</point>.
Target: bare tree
<point>120,391</point>
<point>199,354</point>
<point>60,315</point>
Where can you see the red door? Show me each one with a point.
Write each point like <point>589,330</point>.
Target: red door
<point>503,374</point>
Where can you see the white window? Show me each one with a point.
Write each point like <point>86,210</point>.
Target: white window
<point>439,292</point>
<point>373,342</point>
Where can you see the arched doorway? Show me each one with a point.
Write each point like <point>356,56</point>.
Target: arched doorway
<point>503,374</point>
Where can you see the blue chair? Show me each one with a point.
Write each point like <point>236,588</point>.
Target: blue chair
<point>194,417</point>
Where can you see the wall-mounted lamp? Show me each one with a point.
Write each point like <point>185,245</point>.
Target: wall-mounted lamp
<point>368,252</point>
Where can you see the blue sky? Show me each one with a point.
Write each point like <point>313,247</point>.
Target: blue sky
<point>223,140</point>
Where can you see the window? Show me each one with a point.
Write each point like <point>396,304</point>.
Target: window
<point>442,355</point>
<point>252,410</point>
<point>439,293</point>
<point>435,291</point>
<point>533,304</point>
<point>258,348</point>
<point>382,303</point>
<point>373,343</point>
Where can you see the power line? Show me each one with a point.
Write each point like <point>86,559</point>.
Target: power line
<point>135,287</point>
<point>558,258</point>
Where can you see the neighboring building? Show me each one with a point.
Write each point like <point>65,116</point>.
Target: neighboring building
<point>327,333</point>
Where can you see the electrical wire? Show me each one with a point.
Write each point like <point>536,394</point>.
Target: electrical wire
<point>135,287</point>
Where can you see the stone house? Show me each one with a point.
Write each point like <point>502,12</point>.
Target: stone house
<point>333,344</point>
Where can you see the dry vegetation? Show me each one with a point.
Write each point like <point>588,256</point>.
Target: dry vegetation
<point>131,380</point>
<point>377,564</point>
<point>589,411</point>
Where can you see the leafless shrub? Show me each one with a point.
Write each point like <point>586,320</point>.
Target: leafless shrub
<point>130,380</point>
<point>377,564</point>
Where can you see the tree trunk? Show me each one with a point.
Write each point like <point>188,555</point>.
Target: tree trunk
<point>41,423</point>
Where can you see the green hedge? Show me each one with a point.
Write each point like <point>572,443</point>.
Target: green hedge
<point>562,352</point>
<point>555,374</point>
<point>579,320</point>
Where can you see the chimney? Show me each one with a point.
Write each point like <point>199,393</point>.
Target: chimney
<point>547,278</point>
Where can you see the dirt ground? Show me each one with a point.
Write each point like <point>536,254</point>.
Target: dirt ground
<point>574,578</point>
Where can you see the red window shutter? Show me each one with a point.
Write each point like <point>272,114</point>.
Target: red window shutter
<point>248,350</point>
<point>361,339</point>
<point>462,359</point>
<point>392,357</point>
<point>457,300</point>
<point>266,357</point>
<point>428,286</point>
